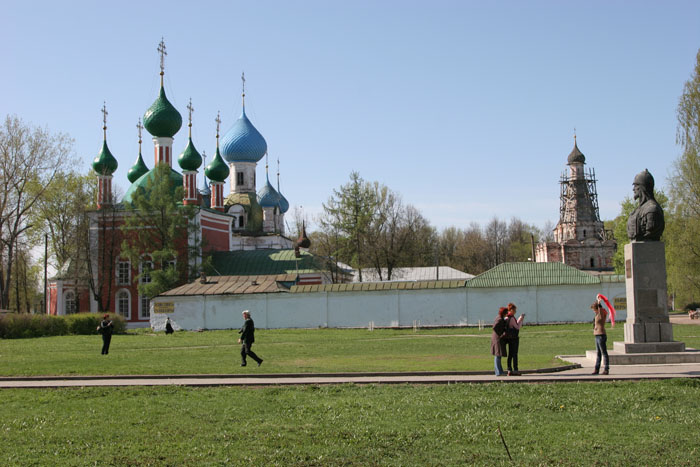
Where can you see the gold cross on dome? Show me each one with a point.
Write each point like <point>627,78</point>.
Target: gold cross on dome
<point>190,109</point>
<point>139,127</point>
<point>163,53</point>
<point>104,117</point>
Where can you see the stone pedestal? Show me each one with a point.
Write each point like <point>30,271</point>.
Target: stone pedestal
<point>647,329</point>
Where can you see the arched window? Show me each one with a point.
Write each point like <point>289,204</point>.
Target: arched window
<point>70,303</point>
<point>592,263</point>
<point>584,233</point>
<point>238,213</point>
<point>124,303</point>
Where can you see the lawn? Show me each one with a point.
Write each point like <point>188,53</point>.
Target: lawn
<point>298,351</point>
<point>610,423</point>
<point>288,351</point>
<point>632,423</point>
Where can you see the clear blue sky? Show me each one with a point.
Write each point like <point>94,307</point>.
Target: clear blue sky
<point>465,108</point>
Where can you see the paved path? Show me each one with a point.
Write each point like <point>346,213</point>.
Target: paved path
<point>579,371</point>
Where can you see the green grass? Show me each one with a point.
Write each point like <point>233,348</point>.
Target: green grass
<point>298,351</point>
<point>604,423</point>
<point>288,351</point>
<point>635,423</point>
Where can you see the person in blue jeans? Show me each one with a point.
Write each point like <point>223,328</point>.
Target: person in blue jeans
<point>498,343</point>
<point>601,338</point>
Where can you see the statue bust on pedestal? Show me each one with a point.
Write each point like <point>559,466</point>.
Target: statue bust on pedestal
<point>647,328</point>
<point>646,223</point>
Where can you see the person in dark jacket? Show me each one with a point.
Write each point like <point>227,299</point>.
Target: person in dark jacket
<point>498,343</point>
<point>105,328</point>
<point>168,327</point>
<point>513,339</point>
<point>247,338</point>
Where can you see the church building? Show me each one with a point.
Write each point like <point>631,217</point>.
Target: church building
<point>580,239</point>
<point>227,226</point>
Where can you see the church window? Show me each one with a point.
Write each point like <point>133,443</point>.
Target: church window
<point>584,233</point>
<point>241,221</point>
<point>592,263</point>
<point>239,178</point>
<point>123,273</point>
<point>70,303</point>
<point>124,303</point>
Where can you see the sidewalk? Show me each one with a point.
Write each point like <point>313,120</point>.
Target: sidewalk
<point>580,370</point>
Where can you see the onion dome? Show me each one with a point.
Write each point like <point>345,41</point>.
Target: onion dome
<point>283,203</point>
<point>137,170</point>
<point>243,142</point>
<point>217,170</point>
<point>303,240</point>
<point>190,159</point>
<point>104,163</point>
<point>162,119</point>
<point>576,156</point>
<point>146,181</point>
<point>268,196</point>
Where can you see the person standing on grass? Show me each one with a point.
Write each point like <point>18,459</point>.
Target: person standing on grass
<point>168,327</point>
<point>498,345</point>
<point>601,338</point>
<point>247,338</point>
<point>513,339</point>
<point>105,328</point>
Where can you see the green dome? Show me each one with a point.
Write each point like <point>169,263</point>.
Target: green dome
<point>161,118</point>
<point>137,170</point>
<point>249,201</point>
<point>146,181</point>
<point>190,159</point>
<point>217,170</point>
<point>104,163</point>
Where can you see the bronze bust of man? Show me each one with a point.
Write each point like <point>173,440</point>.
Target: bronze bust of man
<point>646,223</point>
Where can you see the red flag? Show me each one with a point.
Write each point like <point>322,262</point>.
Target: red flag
<point>600,296</point>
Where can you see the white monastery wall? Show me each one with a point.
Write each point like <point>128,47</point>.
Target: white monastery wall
<point>432,307</point>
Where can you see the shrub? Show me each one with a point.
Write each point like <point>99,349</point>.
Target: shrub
<point>14,326</point>
<point>692,306</point>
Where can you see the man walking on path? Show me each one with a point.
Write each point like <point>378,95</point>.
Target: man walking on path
<point>247,338</point>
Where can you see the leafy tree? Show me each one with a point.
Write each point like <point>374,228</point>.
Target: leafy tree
<point>157,226</point>
<point>347,215</point>
<point>683,227</point>
<point>30,158</point>
<point>61,212</point>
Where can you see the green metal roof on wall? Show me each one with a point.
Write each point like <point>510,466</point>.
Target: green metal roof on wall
<point>258,262</point>
<point>532,274</point>
<point>374,286</point>
<point>162,119</point>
